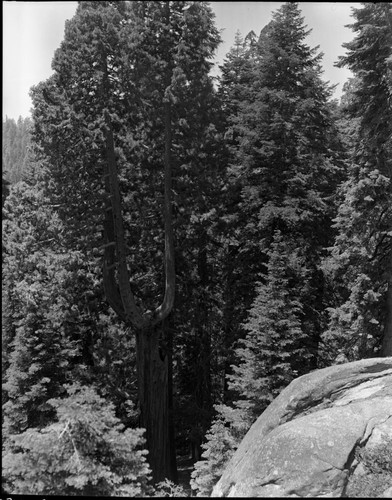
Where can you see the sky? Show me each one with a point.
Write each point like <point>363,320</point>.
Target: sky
<point>32,31</point>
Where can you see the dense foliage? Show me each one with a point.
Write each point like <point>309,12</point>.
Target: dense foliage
<point>361,257</point>
<point>267,202</point>
<point>86,451</point>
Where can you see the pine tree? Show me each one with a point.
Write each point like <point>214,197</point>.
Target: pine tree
<point>198,168</point>
<point>360,261</point>
<point>39,333</point>
<point>236,71</point>
<point>289,162</point>
<point>55,330</point>
<point>55,323</point>
<point>86,451</point>
<point>235,89</point>
<point>218,450</point>
<point>274,349</point>
<point>268,358</point>
<point>79,112</point>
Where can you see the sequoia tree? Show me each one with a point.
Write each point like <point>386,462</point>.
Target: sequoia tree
<point>104,127</point>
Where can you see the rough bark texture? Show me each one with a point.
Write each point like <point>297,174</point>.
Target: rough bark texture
<point>153,388</point>
<point>304,443</point>
<point>168,301</point>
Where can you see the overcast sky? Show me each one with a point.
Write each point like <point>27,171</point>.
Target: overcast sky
<point>33,30</point>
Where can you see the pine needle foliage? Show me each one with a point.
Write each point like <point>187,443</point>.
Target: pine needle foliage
<point>275,346</point>
<point>218,449</point>
<point>359,263</point>
<point>86,451</point>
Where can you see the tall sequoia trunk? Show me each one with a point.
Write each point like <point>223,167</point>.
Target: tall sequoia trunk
<point>152,357</point>
<point>153,387</point>
<point>151,353</point>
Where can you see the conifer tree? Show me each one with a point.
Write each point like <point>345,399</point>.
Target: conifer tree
<point>234,81</point>
<point>268,358</point>
<point>218,450</point>
<point>124,75</point>
<point>81,115</point>
<point>235,89</point>
<point>286,167</point>
<point>85,451</point>
<point>288,161</point>
<point>40,336</point>
<point>274,348</point>
<point>197,182</point>
<point>16,148</point>
<point>55,325</point>
<point>360,260</point>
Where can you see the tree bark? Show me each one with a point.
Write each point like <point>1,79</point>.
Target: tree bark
<point>153,387</point>
<point>168,300</point>
<point>168,338</point>
<point>115,227</point>
<point>151,354</point>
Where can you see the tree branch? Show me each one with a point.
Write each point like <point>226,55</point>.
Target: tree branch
<point>168,301</point>
<point>114,219</point>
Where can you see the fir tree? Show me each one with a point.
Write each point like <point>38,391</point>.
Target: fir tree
<point>360,261</point>
<point>39,333</point>
<point>274,349</point>
<point>218,449</point>
<point>235,90</point>
<point>288,161</point>
<point>86,451</point>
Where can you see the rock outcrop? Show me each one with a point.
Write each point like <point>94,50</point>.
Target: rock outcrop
<point>305,442</point>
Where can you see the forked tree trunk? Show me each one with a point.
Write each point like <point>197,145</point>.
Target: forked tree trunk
<point>152,359</point>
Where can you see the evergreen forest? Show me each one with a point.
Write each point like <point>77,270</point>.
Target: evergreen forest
<point>177,247</point>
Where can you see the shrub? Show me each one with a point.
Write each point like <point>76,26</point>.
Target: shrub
<point>167,488</point>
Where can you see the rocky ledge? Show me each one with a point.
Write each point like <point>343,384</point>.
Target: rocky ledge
<point>306,442</point>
